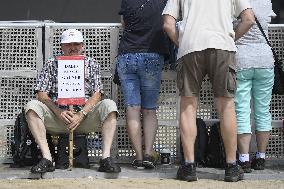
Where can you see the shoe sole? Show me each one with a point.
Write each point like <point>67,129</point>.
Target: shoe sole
<point>188,178</point>
<point>148,165</point>
<point>109,171</point>
<point>257,168</point>
<point>140,168</point>
<point>234,179</point>
<point>247,170</point>
<point>51,169</point>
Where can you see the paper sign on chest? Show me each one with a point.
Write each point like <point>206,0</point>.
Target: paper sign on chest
<point>71,83</point>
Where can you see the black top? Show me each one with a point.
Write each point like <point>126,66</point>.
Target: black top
<point>143,30</point>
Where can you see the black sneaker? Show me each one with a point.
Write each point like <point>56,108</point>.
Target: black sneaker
<point>137,164</point>
<point>233,172</point>
<point>258,164</point>
<point>43,166</point>
<point>148,162</point>
<point>246,166</point>
<point>107,165</point>
<point>187,172</point>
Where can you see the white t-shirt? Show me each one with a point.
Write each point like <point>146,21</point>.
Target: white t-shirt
<point>205,23</point>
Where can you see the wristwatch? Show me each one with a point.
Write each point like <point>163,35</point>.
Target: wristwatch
<point>84,113</point>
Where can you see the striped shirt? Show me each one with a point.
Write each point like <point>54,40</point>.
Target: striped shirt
<point>253,51</point>
<point>47,78</point>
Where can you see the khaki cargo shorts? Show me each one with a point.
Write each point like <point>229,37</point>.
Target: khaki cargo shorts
<point>219,65</point>
<point>92,123</point>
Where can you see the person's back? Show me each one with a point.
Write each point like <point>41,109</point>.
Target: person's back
<point>206,47</point>
<point>143,29</point>
<point>140,61</point>
<point>253,50</point>
<point>206,24</point>
<point>255,81</point>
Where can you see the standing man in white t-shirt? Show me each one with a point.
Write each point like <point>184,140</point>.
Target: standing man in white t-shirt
<point>206,46</point>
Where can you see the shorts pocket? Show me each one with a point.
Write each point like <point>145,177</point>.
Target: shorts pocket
<point>231,81</point>
<point>180,77</point>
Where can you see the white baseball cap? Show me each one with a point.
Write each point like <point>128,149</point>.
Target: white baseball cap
<point>72,36</point>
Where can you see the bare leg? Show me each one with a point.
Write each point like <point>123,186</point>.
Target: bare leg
<point>134,129</point>
<point>188,130</point>
<point>228,123</point>
<point>244,143</point>
<point>262,138</point>
<point>108,131</point>
<point>150,125</point>
<point>38,131</point>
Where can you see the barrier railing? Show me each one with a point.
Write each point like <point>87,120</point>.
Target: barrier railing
<point>25,46</point>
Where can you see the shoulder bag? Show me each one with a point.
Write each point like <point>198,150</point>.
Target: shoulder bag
<point>278,86</point>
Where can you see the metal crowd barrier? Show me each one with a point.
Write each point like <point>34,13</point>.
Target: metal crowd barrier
<point>25,47</point>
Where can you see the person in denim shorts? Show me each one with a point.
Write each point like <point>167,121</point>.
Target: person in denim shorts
<point>45,115</point>
<point>206,47</point>
<point>139,65</point>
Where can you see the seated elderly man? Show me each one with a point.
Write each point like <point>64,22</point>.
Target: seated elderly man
<point>46,115</point>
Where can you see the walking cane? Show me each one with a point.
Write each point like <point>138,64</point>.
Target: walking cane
<point>71,142</point>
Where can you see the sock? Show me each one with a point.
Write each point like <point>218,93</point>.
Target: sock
<point>232,162</point>
<point>186,162</point>
<point>260,155</point>
<point>243,157</point>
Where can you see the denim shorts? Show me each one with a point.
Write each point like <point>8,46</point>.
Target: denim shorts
<point>140,77</point>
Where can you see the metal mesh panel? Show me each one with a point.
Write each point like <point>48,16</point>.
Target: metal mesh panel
<point>124,148</point>
<point>98,43</point>
<point>107,83</point>
<point>277,107</point>
<point>94,143</point>
<point>19,48</point>
<point>168,99</point>
<point>276,36</point>
<point>15,92</point>
<point>6,135</point>
<point>206,109</point>
<point>21,51</point>
<point>166,138</point>
<point>120,103</point>
<point>275,148</point>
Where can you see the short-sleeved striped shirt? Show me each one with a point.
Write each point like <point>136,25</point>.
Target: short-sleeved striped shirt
<point>47,78</point>
<point>253,50</point>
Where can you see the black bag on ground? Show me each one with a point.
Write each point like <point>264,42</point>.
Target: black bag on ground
<point>25,151</point>
<point>216,151</point>
<point>80,152</point>
<point>200,146</point>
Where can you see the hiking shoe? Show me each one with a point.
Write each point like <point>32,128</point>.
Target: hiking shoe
<point>107,165</point>
<point>43,166</point>
<point>187,172</point>
<point>246,166</point>
<point>258,164</point>
<point>137,164</point>
<point>148,162</point>
<point>233,172</point>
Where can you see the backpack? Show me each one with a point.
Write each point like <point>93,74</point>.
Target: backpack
<point>200,146</point>
<point>216,156</point>
<point>25,151</point>
<point>80,152</point>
